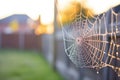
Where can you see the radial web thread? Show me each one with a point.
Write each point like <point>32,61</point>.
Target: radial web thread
<point>94,42</point>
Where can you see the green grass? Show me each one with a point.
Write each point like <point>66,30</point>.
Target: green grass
<point>25,65</point>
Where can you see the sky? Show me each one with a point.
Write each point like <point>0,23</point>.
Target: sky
<point>98,6</point>
<point>33,8</point>
<point>45,8</point>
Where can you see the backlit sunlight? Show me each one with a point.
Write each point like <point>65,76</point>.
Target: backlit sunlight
<point>98,6</point>
<point>45,8</point>
<point>69,8</point>
<point>44,29</point>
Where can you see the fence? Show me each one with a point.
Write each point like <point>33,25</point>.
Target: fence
<point>20,41</point>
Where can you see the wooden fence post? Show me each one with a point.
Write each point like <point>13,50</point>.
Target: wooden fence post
<point>54,35</point>
<point>21,40</point>
<point>0,39</point>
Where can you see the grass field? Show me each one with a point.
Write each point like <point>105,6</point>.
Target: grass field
<point>25,65</point>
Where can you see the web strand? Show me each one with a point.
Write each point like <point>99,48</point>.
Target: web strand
<point>94,42</point>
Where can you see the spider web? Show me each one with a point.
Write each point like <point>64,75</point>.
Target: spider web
<point>94,42</point>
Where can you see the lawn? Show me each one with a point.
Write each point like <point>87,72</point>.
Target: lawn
<point>25,65</point>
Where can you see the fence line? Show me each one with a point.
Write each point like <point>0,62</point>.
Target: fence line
<point>20,41</point>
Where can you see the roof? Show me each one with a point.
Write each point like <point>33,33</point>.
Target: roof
<point>21,18</point>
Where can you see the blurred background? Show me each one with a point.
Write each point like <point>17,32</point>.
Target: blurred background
<point>31,40</point>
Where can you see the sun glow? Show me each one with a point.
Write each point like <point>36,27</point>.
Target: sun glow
<point>45,8</point>
<point>69,8</point>
<point>44,29</point>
